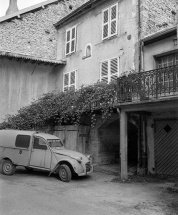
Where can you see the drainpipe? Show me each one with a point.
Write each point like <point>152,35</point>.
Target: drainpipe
<point>139,38</point>
<point>12,7</point>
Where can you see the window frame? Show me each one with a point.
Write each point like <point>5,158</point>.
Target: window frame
<point>109,21</point>
<point>69,85</point>
<point>70,41</point>
<point>109,68</point>
<point>166,55</point>
<point>88,45</point>
<point>43,146</point>
<point>22,146</point>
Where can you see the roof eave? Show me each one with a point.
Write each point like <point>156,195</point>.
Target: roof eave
<point>28,9</point>
<point>28,58</point>
<point>160,35</point>
<point>78,12</point>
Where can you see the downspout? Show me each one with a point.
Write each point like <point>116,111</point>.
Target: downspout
<point>139,38</point>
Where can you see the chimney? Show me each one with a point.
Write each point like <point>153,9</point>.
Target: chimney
<point>12,7</point>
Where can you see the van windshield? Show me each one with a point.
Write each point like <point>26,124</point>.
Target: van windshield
<point>55,143</point>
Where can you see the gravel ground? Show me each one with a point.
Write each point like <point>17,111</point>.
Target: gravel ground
<point>98,194</point>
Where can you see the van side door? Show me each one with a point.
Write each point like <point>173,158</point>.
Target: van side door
<point>20,154</point>
<point>40,154</point>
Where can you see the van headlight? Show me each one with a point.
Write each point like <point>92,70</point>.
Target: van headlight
<point>79,159</point>
<point>89,157</point>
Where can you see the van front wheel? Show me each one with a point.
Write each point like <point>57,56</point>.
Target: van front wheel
<point>8,168</point>
<point>65,173</point>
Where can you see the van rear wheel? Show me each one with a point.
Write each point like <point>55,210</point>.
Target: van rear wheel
<point>7,168</point>
<point>65,173</point>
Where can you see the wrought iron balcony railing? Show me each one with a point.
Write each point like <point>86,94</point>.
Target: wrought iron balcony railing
<point>149,85</point>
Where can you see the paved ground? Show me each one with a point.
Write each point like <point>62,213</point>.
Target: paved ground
<point>102,193</point>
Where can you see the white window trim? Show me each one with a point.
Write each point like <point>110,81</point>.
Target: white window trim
<point>109,72</point>
<point>109,22</point>
<point>69,78</point>
<point>70,29</point>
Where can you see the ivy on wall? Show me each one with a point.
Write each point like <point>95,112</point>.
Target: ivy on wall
<point>65,107</point>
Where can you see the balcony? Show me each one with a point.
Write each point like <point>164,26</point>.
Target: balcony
<point>153,85</point>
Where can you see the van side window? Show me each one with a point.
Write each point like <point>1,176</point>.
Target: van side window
<point>22,141</point>
<point>39,143</point>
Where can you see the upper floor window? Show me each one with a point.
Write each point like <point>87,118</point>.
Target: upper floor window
<point>109,70</point>
<point>70,40</point>
<point>168,60</point>
<point>109,21</point>
<point>88,51</point>
<point>69,81</point>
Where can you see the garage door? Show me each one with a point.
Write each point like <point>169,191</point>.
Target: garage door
<point>166,147</point>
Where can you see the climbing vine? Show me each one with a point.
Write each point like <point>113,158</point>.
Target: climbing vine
<point>65,107</point>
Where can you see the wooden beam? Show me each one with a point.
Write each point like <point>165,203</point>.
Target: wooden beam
<point>123,144</point>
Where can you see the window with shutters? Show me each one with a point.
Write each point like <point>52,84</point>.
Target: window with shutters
<point>70,40</point>
<point>109,70</point>
<point>167,78</point>
<point>69,81</point>
<point>109,22</point>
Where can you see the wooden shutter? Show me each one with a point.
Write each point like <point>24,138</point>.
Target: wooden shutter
<point>114,69</point>
<point>70,40</point>
<point>72,80</point>
<point>105,26</point>
<point>67,42</point>
<point>104,71</point>
<point>66,81</point>
<point>113,18</point>
<point>73,39</point>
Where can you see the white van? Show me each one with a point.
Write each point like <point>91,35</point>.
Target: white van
<point>35,150</point>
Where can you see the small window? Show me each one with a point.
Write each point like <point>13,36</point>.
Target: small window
<point>88,51</point>
<point>69,81</point>
<point>39,143</point>
<point>109,70</point>
<point>70,40</point>
<point>22,141</point>
<point>109,22</point>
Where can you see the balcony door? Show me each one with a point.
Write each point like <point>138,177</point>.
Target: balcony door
<point>167,77</point>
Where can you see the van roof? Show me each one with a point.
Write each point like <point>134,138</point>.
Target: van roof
<point>17,132</point>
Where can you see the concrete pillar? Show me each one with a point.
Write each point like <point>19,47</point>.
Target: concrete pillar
<point>12,7</point>
<point>123,145</point>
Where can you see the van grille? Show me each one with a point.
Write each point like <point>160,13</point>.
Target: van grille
<point>88,167</point>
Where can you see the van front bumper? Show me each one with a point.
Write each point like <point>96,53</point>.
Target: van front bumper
<point>86,172</point>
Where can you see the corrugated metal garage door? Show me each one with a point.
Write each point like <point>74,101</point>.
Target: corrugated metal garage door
<point>166,147</point>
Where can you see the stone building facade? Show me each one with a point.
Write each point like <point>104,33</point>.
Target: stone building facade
<point>32,32</point>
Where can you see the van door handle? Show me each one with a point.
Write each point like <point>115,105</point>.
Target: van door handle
<point>20,152</point>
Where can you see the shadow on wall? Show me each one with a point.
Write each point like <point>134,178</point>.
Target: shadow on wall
<point>110,142</point>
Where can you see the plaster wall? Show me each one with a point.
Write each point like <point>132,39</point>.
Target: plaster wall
<point>89,31</point>
<point>156,49</point>
<point>21,82</point>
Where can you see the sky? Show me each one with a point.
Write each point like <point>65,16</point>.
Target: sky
<point>21,4</point>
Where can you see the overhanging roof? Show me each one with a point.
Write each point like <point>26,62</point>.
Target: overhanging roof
<point>28,58</point>
<point>160,35</point>
<point>79,11</point>
<point>28,9</point>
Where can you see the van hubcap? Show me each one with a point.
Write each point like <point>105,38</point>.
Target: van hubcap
<point>62,173</point>
<point>7,168</point>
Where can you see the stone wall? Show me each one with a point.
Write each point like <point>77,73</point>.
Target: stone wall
<point>157,15</point>
<point>33,33</point>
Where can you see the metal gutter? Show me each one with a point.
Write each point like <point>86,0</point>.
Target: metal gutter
<point>160,35</point>
<point>79,11</point>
